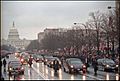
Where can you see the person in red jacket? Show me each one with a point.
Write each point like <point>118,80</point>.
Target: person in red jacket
<point>30,60</point>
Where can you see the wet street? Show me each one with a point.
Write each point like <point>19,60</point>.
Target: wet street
<point>39,71</point>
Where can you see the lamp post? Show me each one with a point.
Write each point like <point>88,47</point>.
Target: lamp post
<point>82,31</point>
<point>83,25</point>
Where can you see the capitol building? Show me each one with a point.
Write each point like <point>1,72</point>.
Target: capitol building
<point>14,40</point>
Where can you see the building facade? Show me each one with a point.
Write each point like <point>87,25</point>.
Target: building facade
<point>40,36</point>
<point>54,31</point>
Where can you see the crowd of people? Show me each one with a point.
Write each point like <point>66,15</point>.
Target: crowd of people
<point>3,63</point>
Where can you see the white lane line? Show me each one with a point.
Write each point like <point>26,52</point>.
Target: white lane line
<point>39,73</point>
<point>94,77</point>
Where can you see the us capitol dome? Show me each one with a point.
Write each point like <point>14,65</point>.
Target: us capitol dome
<point>14,40</point>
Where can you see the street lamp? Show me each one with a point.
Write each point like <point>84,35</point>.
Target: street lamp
<point>83,25</point>
<point>82,30</point>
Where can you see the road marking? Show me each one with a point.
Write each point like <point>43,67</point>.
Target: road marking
<point>48,79</point>
<point>94,77</point>
<point>40,73</point>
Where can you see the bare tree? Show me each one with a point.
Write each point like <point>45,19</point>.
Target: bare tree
<point>106,28</point>
<point>95,22</point>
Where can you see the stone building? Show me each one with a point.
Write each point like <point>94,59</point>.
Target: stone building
<point>56,31</point>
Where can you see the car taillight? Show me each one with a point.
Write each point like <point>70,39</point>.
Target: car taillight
<point>18,68</point>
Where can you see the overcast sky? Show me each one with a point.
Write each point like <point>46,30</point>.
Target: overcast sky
<point>32,17</point>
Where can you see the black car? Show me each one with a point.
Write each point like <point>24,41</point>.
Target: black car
<point>17,54</point>
<point>50,62</point>
<point>73,65</point>
<point>38,58</point>
<point>106,64</point>
<point>24,59</point>
<point>15,67</point>
<point>47,58</point>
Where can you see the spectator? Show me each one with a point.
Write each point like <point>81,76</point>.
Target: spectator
<point>1,63</point>
<point>1,66</point>
<point>95,65</point>
<point>4,63</point>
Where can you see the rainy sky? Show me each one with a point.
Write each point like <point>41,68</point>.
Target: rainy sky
<point>32,17</point>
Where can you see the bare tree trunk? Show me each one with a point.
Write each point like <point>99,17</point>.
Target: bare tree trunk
<point>113,46</point>
<point>107,43</point>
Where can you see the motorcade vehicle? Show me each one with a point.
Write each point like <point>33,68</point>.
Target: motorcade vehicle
<point>47,58</point>
<point>106,64</point>
<point>72,65</point>
<point>22,54</point>
<point>24,59</point>
<point>17,54</point>
<point>50,62</point>
<point>15,67</point>
<point>38,58</point>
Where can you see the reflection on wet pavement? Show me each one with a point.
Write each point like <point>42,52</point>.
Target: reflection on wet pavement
<point>60,74</point>
<point>42,71</point>
<point>72,77</point>
<point>84,77</point>
<point>107,76</point>
<point>117,77</point>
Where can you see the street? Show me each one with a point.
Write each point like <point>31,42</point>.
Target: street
<point>63,40</point>
<point>39,71</point>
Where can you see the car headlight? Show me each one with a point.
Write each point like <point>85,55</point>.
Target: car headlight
<point>107,65</point>
<point>116,65</point>
<point>22,68</point>
<point>15,53</point>
<point>71,66</point>
<point>84,66</point>
<point>59,62</point>
<point>10,68</point>
<point>51,62</point>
